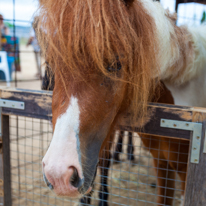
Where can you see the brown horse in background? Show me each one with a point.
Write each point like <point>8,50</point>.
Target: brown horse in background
<point>169,155</point>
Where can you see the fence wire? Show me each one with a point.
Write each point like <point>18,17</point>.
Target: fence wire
<point>132,175</point>
<point>188,12</point>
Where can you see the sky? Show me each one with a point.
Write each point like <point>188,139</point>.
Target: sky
<point>25,9</point>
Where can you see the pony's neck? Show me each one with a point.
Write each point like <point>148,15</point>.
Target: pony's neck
<point>189,45</point>
<point>180,50</point>
<point>186,79</point>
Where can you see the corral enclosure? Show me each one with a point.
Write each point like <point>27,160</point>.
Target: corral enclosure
<point>129,182</point>
<point>27,133</point>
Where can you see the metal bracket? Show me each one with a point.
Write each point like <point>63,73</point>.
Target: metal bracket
<point>10,104</point>
<point>196,128</point>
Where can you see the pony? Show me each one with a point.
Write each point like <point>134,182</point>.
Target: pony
<point>169,156</point>
<point>164,164</point>
<point>108,57</point>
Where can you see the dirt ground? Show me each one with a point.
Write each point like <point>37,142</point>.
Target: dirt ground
<point>129,183</point>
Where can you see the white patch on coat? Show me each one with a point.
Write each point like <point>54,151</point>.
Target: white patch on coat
<point>169,48</point>
<point>192,91</point>
<point>196,63</point>
<point>189,89</point>
<point>64,149</point>
<point>167,54</point>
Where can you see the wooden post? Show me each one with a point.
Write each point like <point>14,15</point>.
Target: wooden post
<point>195,191</point>
<point>6,161</point>
<point>1,173</point>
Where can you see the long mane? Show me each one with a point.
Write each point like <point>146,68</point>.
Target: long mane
<point>81,37</point>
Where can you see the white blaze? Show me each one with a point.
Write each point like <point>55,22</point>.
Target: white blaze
<point>64,149</point>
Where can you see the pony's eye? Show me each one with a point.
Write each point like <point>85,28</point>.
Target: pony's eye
<point>115,67</point>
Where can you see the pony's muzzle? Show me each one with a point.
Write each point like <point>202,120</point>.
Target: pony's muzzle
<point>68,184</point>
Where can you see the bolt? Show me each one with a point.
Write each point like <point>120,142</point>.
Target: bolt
<point>196,160</point>
<point>198,137</point>
<point>163,121</point>
<point>194,148</point>
<point>174,125</point>
<point>187,124</point>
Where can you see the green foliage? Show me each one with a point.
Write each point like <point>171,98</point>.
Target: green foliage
<point>8,24</point>
<point>203,17</point>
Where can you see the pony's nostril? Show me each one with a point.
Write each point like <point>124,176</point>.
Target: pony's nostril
<point>47,182</point>
<point>75,180</point>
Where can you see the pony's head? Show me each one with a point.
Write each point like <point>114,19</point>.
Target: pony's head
<point>103,56</point>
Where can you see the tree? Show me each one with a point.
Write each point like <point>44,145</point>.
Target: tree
<point>8,24</point>
<point>203,17</point>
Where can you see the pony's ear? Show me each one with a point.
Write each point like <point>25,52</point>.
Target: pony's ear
<point>128,2</point>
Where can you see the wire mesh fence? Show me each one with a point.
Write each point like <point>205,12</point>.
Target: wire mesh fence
<point>188,12</point>
<point>130,181</point>
<point>153,168</point>
<point>16,36</point>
